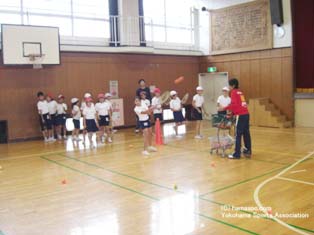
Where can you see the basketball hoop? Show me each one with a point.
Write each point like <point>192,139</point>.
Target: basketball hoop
<point>36,59</point>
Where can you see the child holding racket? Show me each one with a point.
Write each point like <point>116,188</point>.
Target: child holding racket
<point>156,103</point>
<point>197,103</point>
<point>142,111</point>
<point>176,108</point>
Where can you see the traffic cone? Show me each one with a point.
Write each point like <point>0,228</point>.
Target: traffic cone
<point>158,133</point>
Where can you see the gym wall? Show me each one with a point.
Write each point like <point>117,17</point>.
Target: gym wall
<point>87,72</point>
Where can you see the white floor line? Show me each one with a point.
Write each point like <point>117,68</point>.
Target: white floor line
<point>297,181</point>
<point>261,185</point>
<point>293,172</point>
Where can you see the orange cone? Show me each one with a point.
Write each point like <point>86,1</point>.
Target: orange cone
<point>158,133</point>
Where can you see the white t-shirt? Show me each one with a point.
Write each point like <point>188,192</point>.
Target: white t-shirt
<point>83,105</point>
<point>156,101</point>
<point>76,110</point>
<point>199,100</point>
<point>146,102</point>
<point>223,101</point>
<point>139,109</point>
<point>109,103</point>
<point>61,108</point>
<point>89,112</point>
<point>52,107</point>
<point>102,108</point>
<point>42,106</point>
<point>175,104</point>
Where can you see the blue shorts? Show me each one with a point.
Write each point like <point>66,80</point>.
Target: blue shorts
<point>178,116</point>
<point>91,125</point>
<point>145,124</point>
<point>61,119</point>
<point>196,115</point>
<point>158,115</point>
<point>104,120</point>
<point>76,123</point>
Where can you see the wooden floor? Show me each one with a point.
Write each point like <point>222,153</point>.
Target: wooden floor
<point>182,189</point>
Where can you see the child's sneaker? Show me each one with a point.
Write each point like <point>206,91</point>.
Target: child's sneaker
<point>46,140</point>
<point>59,137</point>
<point>109,140</point>
<point>152,149</point>
<point>198,137</point>
<point>65,137</point>
<point>146,153</point>
<point>51,139</point>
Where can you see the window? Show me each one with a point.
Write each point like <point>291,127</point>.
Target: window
<point>169,21</point>
<point>75,18</point>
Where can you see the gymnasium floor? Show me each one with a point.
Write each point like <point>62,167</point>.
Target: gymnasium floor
<point>182,189</point>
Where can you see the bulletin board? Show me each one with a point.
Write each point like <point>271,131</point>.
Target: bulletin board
<point>239,28</point>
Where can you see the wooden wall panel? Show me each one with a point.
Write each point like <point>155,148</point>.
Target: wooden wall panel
<point>87,72</point>
<point>267,73</point>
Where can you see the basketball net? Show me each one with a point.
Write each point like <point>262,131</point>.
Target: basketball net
<point>36,59</point>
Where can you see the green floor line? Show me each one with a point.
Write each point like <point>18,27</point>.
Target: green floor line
<point>115,172</point>
<point>144,195</point>
<point>101,179</point>
<point>251,213</point>
<point>171,189</point>
<point>244,181</point>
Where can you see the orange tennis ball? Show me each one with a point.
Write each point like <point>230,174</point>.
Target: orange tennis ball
<point>179,80</point>
<point>64,181</point>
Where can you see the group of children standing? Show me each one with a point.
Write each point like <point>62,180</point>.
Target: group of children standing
<point>236,105</point>
<point>96,117</point>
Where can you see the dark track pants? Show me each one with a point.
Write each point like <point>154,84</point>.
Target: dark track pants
<point>242,129</point>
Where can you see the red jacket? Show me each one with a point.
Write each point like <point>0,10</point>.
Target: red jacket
<point>238,105</point>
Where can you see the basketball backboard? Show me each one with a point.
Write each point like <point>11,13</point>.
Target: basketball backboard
<point>28,44</point>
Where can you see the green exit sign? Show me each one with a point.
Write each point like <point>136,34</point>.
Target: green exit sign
<point>211,69</point>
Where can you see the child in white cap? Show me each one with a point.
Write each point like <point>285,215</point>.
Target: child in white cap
<point>223,100</point>
<point>176,108</point>
<point>198,103</point>
<point>76,115</point>
<point>61,117</point>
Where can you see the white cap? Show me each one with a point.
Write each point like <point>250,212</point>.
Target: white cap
<point>173,93</point>
<point>74,100</point>
<point>199,88</point>
<point>87,95</point>
<point>108,95</point>
<point>225,89</point>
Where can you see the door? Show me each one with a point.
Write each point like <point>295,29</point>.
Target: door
<point>212,84</point>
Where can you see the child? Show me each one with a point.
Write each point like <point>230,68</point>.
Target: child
<point>176,107</point>
<point>144,100</point>
<point>103,112</point>
<point>76,115</point>
<point>52,107</point>
<point>61,117</point>
<point>90,120</point>
<point>83,105</point>
<point>142,111</point>
<point>223,100</point>
<point>43,112</point>
<point>108,100</point>
<point>156,103</point>
<point>142,88</point>
<point>197,103</point>
<point>238,106</point>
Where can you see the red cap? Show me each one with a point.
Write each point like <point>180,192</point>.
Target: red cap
<point>50,95</point>
<point>101,95</point>
<point>157,90</point>
<point>88,99</point>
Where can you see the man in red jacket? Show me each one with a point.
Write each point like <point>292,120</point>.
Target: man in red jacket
<point>238,106</point>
